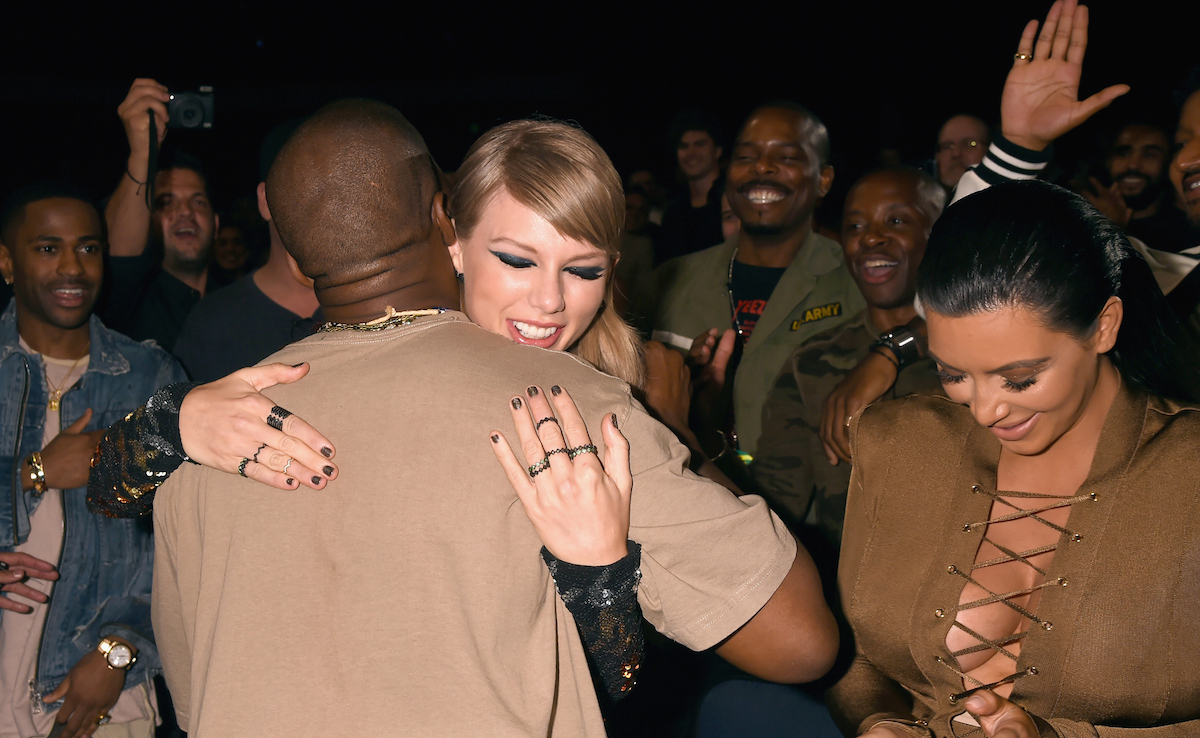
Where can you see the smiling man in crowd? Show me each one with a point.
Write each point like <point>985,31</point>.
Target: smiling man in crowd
<point>885,224</point>
<point>88,660</point>
<point>742,307</point>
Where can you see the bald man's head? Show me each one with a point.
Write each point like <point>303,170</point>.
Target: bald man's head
<point>352,196</point>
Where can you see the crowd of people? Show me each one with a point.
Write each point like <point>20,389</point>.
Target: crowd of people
<point>928,461</point>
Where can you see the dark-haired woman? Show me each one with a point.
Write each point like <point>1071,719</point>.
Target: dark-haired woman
<point>1044,513</point>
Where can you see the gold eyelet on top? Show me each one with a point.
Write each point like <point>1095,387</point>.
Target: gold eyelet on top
<point>952,569</point>
<point>967,528</point>
<point>1047,625</point>
<point>939,613</point>
<point>1077,538</point>
<point>1032,671</point>
<point>1062,581</point>
<point>1095,497</point>
<point>975,488</point>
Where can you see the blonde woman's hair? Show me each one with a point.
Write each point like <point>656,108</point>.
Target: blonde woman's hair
<point>559,172</point>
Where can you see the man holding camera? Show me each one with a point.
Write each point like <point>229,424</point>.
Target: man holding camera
<point>149,297</point>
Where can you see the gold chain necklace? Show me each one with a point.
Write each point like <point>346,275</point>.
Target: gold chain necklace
<point>56,393</point>
<point>391,319</point>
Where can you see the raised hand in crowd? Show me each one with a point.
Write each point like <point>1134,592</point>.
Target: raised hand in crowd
<point>127,213</point>
<point>223,422</point>
<point>1039,103</point>
<point>67,459</point>
<point>15,568</point>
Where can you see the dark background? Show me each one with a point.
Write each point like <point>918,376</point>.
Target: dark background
<point>879,74</point>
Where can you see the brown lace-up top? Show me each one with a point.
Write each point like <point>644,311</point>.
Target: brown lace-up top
<point>1098,638</point>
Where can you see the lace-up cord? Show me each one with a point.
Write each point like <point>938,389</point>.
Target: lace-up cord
<point>999,645</point>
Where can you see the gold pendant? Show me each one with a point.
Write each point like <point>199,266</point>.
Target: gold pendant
<point>54,402</point>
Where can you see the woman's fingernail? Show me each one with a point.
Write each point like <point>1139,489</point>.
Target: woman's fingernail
<point>531,391</point>
<point>316,479</point>
<point>326,452</point>
<point>495,438</point>
<point>516,403</point>
<point>556,390</point>
<point>614,420</point>
<point>328,471</point>
<point>297,366</point>
<point>290,481</point>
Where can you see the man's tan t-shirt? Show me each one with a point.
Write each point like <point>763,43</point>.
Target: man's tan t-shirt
<point>412,589</point>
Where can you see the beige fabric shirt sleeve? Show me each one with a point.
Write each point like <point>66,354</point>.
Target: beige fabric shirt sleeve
<point>693,535</point>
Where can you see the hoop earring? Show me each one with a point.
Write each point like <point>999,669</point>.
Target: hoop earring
<point>459,276</point>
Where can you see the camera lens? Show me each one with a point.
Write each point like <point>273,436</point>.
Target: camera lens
<point>190,113</point>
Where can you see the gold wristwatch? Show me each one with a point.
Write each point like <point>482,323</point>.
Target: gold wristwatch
<point>117,654</point>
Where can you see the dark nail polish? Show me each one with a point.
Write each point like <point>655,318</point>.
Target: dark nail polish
<point>316,480</point>
<point>614,420</point>
<point>326,451</point>
<point>297,366</point>
<point>328,471</point>
<point>556,390</point>
<point>516,403</point>
<point>290,481</point>
<point>495,438</point>
<point>531,391</point>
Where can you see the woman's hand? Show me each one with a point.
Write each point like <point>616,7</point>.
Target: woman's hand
<point>1001,718</point>
<point>579,508</point>
<point>223,422</point>
<point>15,568</point>
<point>865,383</point>
<point>1041,101</point>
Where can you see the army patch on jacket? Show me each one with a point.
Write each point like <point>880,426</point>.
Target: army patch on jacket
<point>832,310</point>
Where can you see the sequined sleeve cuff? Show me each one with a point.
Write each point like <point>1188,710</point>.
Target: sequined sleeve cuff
<point>603,601</point>
<point>137,454</point>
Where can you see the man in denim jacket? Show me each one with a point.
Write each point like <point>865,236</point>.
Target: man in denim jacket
<point>85,655</point>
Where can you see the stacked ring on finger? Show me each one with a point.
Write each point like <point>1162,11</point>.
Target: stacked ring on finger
<point>256,453</point>
<point>579,450</point>
<point>285,466</point>
<point>550,419</point>
<point>558,451</point>
<point>242,466</point>
<point>277,416</point>
<point>539,467</point>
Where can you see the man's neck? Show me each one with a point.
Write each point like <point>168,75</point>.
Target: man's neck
<point>418,297</point>
<point>196,280</point>
<point>1149,210</point>
<point>699,188</point>
<point>57,343</point>
<point>772,250</point>
<point>277,283</point>
<point>885,319</point>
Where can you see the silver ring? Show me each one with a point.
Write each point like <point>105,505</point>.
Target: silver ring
<point>285,466</point>
<point>579,450</point>
<point>539,467</point>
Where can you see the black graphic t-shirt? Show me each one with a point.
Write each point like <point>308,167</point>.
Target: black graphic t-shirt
<point>752,287</point>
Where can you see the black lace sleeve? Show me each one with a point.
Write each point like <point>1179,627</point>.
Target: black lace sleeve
<point>603,601</point>
<point>137,454</point>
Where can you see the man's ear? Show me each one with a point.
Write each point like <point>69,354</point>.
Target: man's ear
<point>299,276</point>
<point>263,209</point>
<point>826,181</point>
<point>6,264</point>
<point>445,225</point>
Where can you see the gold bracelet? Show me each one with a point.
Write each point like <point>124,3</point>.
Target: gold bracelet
<point>37,473</point>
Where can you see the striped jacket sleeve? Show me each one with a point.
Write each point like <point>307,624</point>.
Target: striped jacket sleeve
<point>1004,161</point>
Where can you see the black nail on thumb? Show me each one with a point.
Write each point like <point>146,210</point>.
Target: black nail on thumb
<point>614,420</point>
<point>297,366</point>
